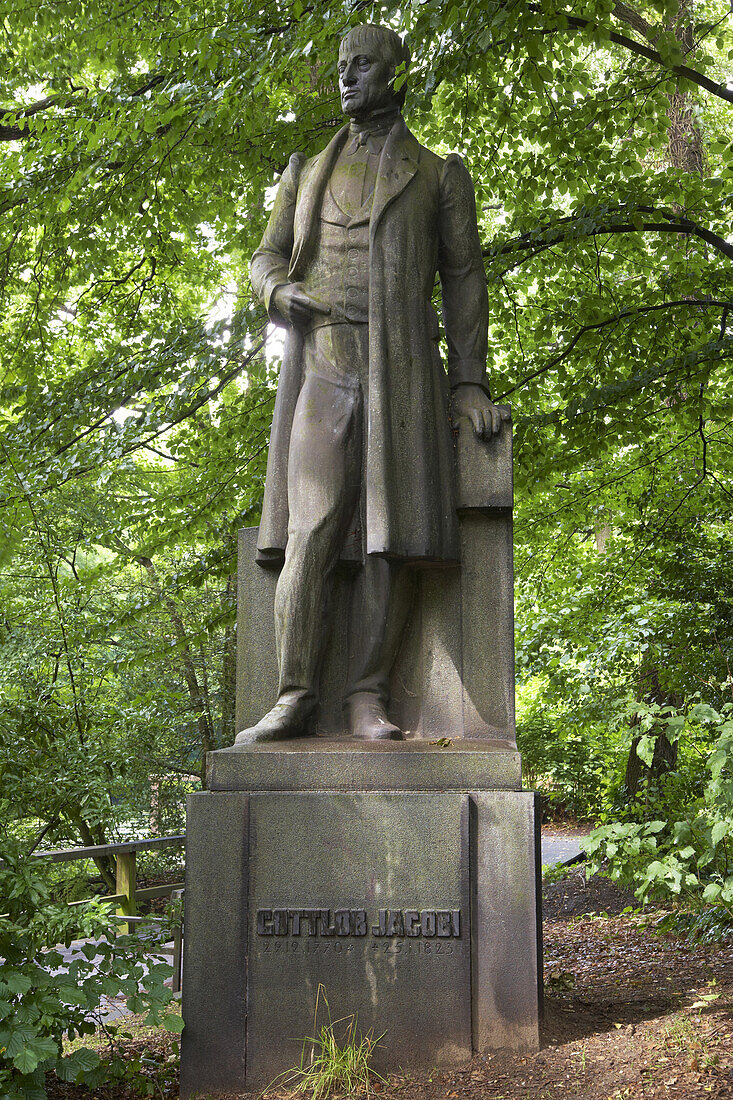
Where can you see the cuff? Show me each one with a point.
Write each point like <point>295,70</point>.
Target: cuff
<point>469,371</point>
<point>275,316</point>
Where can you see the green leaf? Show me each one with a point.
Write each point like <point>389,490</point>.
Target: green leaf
<point>16,982</point>
<point>645,749</point>
<point>80,1061</point>
<point>701,712</point>
<point>35,1052</point>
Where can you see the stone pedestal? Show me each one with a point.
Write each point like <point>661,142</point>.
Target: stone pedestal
<point>399,878</point>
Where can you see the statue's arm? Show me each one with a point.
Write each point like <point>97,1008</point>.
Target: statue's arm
<point>462,278</point>
<point>286,302</point>
<point>271,262</point>
<point>465,300</point>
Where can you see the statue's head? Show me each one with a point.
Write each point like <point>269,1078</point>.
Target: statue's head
<point>369,56</point>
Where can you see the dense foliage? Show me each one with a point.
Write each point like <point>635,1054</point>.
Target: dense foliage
<point>139,145</point>
<point>45,999</point>
<point>674,839</point>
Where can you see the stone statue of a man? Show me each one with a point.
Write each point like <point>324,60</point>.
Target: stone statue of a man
<point>361,459</point>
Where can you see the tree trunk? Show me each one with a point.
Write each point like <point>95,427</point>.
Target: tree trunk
<point>106,865</point>
<point>196,695</point>
<point>663,761</point>
<point>665,751</point>
<point>685,148</point>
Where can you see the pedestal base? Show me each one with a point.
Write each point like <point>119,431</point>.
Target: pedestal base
<point>414,907</point>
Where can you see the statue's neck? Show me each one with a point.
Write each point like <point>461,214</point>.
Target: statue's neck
<point>378,122</point>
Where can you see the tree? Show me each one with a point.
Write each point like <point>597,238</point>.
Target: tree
<point>139,148</point>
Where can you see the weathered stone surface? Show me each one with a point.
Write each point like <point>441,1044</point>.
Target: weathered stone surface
<point>423,851</point>
<point>418,203</point>
<point>506,923</point>
<point>351,857</point>
<point>215,943</point>
<point>485,479</point>
<point>454,674</point>
<point>256,653</point>
<point>317,764</point>
<point>361,454</point>
<point>487,626</point>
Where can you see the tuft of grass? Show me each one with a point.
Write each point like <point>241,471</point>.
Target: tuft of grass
<point>556,872</point>
<point>336,1060</point>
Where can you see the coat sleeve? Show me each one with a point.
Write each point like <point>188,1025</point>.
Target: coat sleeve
<point>462,277</point>
<point>271,262</point>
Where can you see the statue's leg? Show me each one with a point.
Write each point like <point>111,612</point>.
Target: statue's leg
<point>324,467</point>
<point>381,598</point>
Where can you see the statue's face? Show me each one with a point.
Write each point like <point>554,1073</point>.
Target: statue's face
<point>364,81</point>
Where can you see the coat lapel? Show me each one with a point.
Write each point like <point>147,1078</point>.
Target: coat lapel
<point>397,166</point>
<point>308,207</point>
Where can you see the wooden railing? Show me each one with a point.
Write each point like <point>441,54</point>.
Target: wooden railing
<point>128,896</point>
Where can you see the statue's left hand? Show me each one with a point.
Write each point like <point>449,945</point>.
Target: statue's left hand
<point>473,403</point>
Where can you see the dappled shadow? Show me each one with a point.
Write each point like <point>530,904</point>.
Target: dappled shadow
<point>575,896</point>
<point>604,975</point>
<point>570,1018</point>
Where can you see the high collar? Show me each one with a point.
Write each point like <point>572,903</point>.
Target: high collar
<point>379,123</point>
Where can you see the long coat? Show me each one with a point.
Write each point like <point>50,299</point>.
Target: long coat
<point>423,223</point>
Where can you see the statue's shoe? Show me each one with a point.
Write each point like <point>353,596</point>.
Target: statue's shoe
<point>368,719</point>
<point>285,720</point>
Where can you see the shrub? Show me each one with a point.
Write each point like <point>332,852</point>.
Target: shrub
<point>41,1004</point>
<point>675,839</point>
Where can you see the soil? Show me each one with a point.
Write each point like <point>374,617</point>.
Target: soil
<point>631,1013</point>
<point>577,896</point>
<point>566,826</point>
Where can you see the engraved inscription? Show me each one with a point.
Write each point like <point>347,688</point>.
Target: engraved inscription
<point>311,922</point>
<point>388,923</point>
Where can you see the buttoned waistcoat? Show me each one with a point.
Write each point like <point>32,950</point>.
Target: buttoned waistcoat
<point>338,274</point>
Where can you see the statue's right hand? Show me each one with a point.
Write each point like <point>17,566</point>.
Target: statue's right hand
<point>295,306</point>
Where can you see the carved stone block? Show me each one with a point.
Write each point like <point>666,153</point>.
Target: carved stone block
<point>371,903</point>
<point>417,910</point>
<point>308,764</point>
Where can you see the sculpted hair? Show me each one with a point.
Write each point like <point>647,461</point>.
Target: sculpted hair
<point>383,41</point>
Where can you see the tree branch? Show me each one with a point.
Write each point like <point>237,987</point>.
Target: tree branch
<point>12,131</point>
<point>725,306</point>
<point>634,19</point>
<point>672,224</point>
<point>683,72</point>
